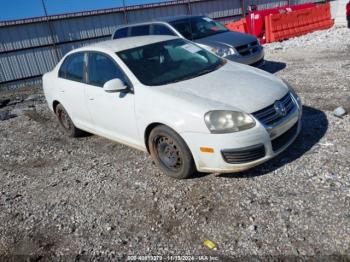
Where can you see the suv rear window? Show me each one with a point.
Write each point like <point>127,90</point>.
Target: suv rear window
<point>140,30</point>
<point>121,33</point>
<point>158,29</point>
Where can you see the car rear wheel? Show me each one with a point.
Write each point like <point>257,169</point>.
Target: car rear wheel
<point>170,153</point>
<point>66,122</point>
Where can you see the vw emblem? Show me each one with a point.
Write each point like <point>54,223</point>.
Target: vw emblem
<point>280,108</point>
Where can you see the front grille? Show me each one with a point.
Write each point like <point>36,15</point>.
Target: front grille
<point>268,116</point>
<point>283,139</point>
<point>243,155</point>
<point>248,49</point>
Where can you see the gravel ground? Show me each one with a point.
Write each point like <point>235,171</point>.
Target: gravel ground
<point>90,198</point>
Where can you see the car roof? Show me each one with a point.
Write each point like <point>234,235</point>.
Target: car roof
<point>121,44</point>
<point>166,19</point>
<point>169,19</point>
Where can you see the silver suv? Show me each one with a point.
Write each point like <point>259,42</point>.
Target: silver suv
<point>207,33</point>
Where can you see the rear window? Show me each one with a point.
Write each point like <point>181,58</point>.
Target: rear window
<point>161,30</point>
<point>140,30</point>
<point>121,33</point>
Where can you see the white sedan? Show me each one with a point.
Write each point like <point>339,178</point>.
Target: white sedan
<point>188,108</point>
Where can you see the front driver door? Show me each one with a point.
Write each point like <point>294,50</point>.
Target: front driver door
<point>113,114</point>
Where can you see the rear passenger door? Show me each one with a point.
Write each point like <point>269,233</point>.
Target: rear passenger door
<point>112,113</point>
<point>71,78</point>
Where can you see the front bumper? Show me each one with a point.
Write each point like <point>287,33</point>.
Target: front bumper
<point>273,140</point>
<point>256,59</point>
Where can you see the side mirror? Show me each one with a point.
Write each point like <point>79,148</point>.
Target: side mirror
<point>115,85</point>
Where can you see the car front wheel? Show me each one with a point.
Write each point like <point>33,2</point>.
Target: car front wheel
<point>170,153</point>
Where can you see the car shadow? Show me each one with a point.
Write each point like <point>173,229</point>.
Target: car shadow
<point>314,127</point>
<point>273,66</point>
<point>84,134</point>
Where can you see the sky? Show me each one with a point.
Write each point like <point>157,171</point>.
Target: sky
<point>19,9</point>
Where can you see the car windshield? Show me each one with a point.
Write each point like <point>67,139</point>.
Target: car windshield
<point>198,27</point>
<point>169,61</point>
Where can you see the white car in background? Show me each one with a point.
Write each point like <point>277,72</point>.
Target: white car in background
<point>190,109</point>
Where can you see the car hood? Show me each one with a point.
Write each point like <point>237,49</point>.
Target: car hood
<point>228,39</point>
<point>234,86</point>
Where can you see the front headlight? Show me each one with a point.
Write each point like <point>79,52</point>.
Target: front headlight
<point>223,51</point>
<point>294,94</point>
<point>222,121</point>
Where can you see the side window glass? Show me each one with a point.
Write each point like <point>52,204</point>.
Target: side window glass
<point>73,68</point>
<point>101,69</point>
<point>121,33</point>
<point>161,30</point>
<point>184,28</point>
<point>140,30</point>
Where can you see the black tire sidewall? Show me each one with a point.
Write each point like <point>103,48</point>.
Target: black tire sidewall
<point>187,167</point>
<point>72,131</point>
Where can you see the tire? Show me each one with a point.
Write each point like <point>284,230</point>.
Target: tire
<point>170,153</point>
<point>66,122</point>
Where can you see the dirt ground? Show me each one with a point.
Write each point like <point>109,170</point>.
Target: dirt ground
<point>91,198</point>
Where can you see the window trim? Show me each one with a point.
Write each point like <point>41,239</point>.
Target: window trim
<point>128,82</point>
<point>84,67</point>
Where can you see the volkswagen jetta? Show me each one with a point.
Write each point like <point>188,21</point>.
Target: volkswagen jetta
<point>190,109</point>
